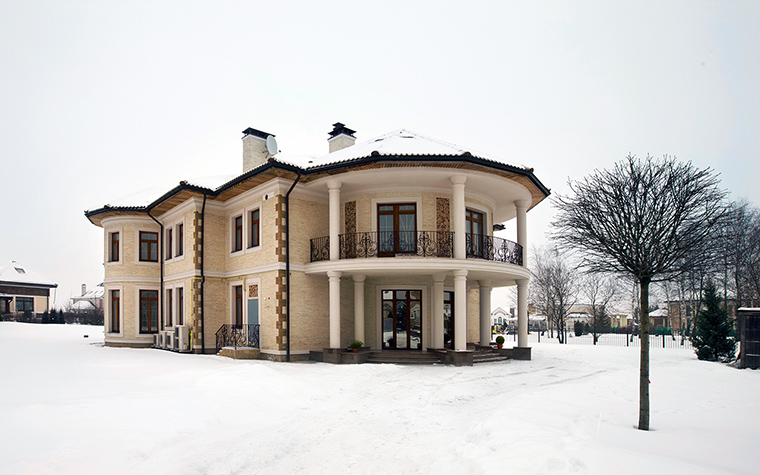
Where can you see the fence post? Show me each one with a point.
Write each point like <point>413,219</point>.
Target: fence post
<point>663,339</point>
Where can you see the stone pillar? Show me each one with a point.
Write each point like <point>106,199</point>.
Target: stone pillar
<point>458,211</point>
<point>460,310</point>
<point>437,307</point>
<point>485,312</point>
<point>334,308</point>
<point>522,232</point>
<point>333,188</point>
<point>522,312</point>
<point>359,307</point>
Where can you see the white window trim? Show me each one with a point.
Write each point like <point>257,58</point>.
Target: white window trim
<point>137,246</point>
<point>395,200</point>
<point>174,226</point>
<point>175,300</point>
<point>233,216</point>
<point>109,231</point>
<point>247,226</point>
<point>157,288</point>
<point>107,310</point>
<point>426,311</point>
<point>233,284</point>
<point>487,229</point>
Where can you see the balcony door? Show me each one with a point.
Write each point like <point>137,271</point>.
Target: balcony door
<point>396,229</point>
<point>474,226</point>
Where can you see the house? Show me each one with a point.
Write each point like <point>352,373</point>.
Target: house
<point>23,291</point>
<point>389,242</point>
<point>89,301</point>
<point>501,317</point>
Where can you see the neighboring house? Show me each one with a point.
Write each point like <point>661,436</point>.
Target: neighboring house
<point>89,301</point>
<point>501,317</point>
<point>659,318</point>
<point>388,241</point>
<point>23,290</point>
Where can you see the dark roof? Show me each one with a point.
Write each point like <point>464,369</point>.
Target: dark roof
<point>339,128</point>
<point>256,133</point>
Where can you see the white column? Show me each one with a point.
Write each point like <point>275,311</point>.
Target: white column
<point>437,308</point>
<point>458,210</point>
<point>522,313</point>
<point>485,312</point>
<point>334,308</point>
<point>333,188</point>
<point>359,307</point>
<point>522,230</point>
<point>460,310</point>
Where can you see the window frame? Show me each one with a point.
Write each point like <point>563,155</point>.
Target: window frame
<point>180,251</point>
<point>169,243</point>
<point>237,235</point>
<point>117,308</point>
<point>149,242</point>
<point>114,246</point>
<point>139,314</point>
<point>25,300</point>
<point>180,305</point>
<point>254,227</point>
<point>168,314</point>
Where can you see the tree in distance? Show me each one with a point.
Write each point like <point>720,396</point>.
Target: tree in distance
<point>646,218</point>
<point>712,340</point>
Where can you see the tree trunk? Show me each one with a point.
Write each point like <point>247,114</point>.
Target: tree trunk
<point>644,362</point>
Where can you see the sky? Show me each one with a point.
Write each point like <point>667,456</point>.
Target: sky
<point>99,100</point>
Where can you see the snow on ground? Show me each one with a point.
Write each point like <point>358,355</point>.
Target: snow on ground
<point>70,405</point>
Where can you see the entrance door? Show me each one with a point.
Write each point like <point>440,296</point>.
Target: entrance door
<point>402,320</point>
<point>396,229</point>
<point>448,319</point>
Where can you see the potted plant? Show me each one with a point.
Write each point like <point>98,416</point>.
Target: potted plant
<point>356,345</point>
<point>499,341</point>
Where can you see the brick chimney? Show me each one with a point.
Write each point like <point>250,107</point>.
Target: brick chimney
<point>254,148</point>
<point>340,137</point>
<point>84,289</point>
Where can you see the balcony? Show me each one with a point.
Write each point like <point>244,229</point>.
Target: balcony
<point>416,243</point>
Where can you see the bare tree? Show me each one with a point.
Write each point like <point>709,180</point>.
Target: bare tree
<point>554,287</point>
<point>599,290</point>
<point>643,218</point>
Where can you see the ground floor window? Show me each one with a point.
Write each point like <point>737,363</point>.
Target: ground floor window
<point>180,306</point>
<point>238,305</point>
<point>148,311</point>
<point>448,319</point>
<point>24,304</point>
<point>168,316</point>
<point>114,321</point>
<point>402,319</point>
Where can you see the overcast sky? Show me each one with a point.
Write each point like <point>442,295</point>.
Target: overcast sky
<point>102,99</point>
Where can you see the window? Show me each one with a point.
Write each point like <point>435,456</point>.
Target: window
<point>397,229</point>
<point>24,304</point>
<point>148,246</point>
<point>148,311</point>
<point>180,239</point>
<point>237,239</point>
<point>238,305</point>
<point>113,247</point>
<point>168,319</point>
<point>474,226</point>
<point>253,239</point>
<point>114,320</point>
<point>180,306</point>
<point>168,244</point>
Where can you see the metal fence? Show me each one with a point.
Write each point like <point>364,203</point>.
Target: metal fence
<point>610,339</point>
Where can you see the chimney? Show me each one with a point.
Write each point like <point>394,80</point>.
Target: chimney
<point>254,148</point>
<point>84,289</point>
<point>340,137</point>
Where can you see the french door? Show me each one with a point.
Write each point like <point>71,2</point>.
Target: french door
<point>397,229</point>
<point>474,226</point>
<point>402,319</point>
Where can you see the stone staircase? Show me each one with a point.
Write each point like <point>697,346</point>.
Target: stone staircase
<point>403,357</point>
<point>487,355</point>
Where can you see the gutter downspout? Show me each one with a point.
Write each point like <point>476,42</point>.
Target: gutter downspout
<point>287,267</point>
<point>161,259</point>
<point>203,275</point>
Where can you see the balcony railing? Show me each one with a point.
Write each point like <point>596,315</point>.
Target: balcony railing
<point>491,248</point>
<point>416,243</point>
<point>238,336</point>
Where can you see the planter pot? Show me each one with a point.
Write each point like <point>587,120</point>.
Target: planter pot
<point>355,350</point>
<point>499,345</point>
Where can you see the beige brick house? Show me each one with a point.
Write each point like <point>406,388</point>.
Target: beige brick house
<point>390,242</point>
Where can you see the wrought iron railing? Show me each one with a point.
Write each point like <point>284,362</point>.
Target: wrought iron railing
<point>387,244</point>
<point>238,336</point>
<point>491,248</point>
<point>320,249</point>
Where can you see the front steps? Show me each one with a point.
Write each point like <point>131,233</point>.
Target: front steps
<point>403,357</point>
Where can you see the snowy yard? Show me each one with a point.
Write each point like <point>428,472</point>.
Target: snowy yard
<point>70,405</point>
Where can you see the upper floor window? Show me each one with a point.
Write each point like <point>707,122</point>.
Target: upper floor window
<point>253,238</point>
<point>237,236</point>
<point>114,317</point>
<point>180,239</point>
<point>397,228</point>
<point>169,244</point>
<point>148,246</point>
<point>474,226</point>
<point>113,247</point>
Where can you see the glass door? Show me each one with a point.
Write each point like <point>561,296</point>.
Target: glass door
<point>474,225</point>
<point>397,229</point>
<point>448,319</point>
<point>402,319</point>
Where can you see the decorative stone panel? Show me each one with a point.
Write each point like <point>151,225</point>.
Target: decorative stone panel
<point>443,214</point>
<point>350,212</point>
<point>280,233</point>
<point>281,310</point>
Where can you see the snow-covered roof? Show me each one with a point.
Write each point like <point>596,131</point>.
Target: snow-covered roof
<point>97,293</point>
<point>83,305</point>
<point>18,274</point>
<point>401,142</point>
<point>660,312</point>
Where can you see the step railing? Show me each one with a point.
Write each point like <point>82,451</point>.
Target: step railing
<point>245,336</point>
